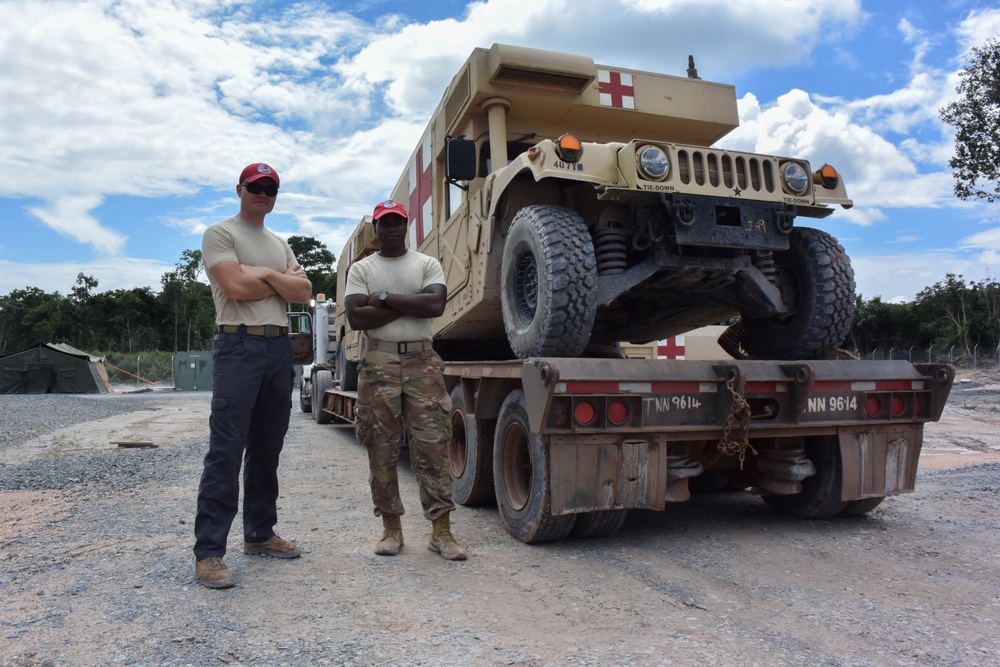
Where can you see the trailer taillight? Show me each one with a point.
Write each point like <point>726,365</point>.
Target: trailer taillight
<point>617,413</point>
<point>873,406</point>
<point>898,405</point>
<point>584,413</point>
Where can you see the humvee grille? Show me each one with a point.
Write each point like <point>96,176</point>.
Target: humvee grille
<point>709,167</point>
<point>534,77</point>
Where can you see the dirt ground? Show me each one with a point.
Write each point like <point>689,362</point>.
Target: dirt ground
<point>98,574</point>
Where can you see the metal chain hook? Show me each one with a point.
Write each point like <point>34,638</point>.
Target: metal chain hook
<point>739,411</point>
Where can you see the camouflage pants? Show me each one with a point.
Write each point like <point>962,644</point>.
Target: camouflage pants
<point>397,392</point>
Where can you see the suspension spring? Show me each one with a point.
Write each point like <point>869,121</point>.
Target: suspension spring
<point>764,261</point>
<point>610,248</point>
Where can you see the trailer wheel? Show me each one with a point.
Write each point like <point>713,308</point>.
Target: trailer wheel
<point>861,507</point>
<point>305,404</point>
<point>470,454</point>
<point>604,523</point>
<point>347,371</point>
<point>322,380</point>
<point>817,281</point>
<point>820,495</point>
<point>548,283</point>
<point>521,474</point>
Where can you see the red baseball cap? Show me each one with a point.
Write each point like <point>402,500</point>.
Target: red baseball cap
<point>258,170</point>
<point>389,206</point>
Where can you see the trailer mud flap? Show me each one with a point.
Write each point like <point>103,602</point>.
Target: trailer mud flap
<point>603,474</point>
<point>879,462</point>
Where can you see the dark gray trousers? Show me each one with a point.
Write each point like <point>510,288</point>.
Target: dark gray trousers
<point>251,402</point>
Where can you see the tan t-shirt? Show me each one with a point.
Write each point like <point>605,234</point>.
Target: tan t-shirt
<point>234,240</point>
<point>408,274</point>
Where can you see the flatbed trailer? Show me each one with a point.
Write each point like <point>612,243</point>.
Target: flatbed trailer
<point>566,446</point>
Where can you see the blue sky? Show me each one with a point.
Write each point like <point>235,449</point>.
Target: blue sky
<point>124,124</point>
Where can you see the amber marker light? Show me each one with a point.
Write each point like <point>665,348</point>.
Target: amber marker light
<point>569,148</point>
<point>828,176</point>
<point>535,153</point>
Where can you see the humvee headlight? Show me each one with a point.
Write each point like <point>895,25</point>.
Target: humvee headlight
<point>653,163</point>
<point>795,178</point>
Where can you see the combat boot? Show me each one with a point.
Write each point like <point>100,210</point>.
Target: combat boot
<point>442,541</point>
<point>392,538</point>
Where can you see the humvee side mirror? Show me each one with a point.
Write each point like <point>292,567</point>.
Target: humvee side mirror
<point>460,159</point>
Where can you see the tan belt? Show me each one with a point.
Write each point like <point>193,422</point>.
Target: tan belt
<point>265,330</point>
<point>403,347</point>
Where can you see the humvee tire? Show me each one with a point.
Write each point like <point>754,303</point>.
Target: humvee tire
<point>820,495</point>
<point>470,454</point>
<point>521,476</point>
<point>817,281</point>
<point>322,381</point>
<point>548,292</point>
<point>305,404</point>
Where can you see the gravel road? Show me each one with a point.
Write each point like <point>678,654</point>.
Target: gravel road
<point>96,565</point>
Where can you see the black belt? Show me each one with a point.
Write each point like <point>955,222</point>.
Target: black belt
<point>265,330</point>
<point>403,347</point>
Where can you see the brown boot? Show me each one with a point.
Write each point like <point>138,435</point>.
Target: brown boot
<point>212,572</point>
<point>392,538</point>
<point>275,547</point>
<point>441,540</point>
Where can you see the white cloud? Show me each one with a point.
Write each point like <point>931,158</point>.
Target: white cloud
<point>899,278</point>
<point>70,217</point>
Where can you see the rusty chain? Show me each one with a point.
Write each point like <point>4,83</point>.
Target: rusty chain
<point>740,411</point>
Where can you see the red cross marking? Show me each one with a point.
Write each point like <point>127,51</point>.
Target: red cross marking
<point>616,89</point>
<point>671,348</point>
<point>420,192</point>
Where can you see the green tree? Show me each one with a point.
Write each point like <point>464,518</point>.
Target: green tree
<point>945,310</point>
<point>976,118</point>
<point>30,316</point>
<point>189,302</point>
<point>318,263</point>
<point>80,308</point>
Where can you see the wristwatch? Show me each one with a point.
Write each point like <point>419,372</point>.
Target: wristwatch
<point>382,297</point>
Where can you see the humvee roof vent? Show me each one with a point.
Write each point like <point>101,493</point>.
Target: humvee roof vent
<point>460,94</point>
<point>532,67</point>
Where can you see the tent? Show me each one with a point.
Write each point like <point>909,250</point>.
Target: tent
<point>53,368</point>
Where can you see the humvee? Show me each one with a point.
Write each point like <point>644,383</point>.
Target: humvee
<point>574,206</point>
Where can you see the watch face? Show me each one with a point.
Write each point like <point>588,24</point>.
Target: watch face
<point>383,296</point>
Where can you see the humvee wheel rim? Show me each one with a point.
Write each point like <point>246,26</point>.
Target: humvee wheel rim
<point>458,446</point>
<point>525,286</point>
<point>515,467</point>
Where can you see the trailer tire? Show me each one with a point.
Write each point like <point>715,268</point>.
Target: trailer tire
<point>820,495</point>
<point>548,281</point>
<point>322,380</point>
<point>603,523</point>
<point>470,454</point>
<point>305,403</point>
<point>861,507</point>
<point>817,282</point>
<point>347,371</point>
<point>521,475</point>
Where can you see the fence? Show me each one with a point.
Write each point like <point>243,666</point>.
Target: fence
<point>957,356</point>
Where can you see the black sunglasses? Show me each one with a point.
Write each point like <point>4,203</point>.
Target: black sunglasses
<point>257,188</point>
